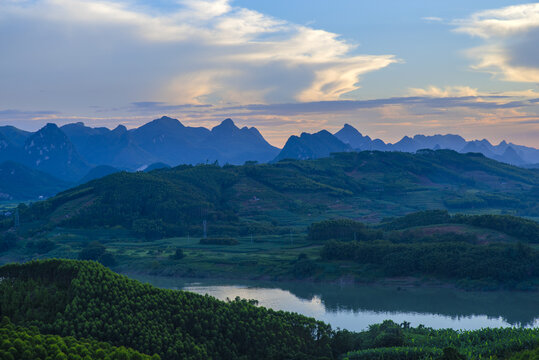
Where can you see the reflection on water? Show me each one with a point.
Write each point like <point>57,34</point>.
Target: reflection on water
<point>356,307</point>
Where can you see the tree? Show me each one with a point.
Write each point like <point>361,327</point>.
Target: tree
<point>178,254</point>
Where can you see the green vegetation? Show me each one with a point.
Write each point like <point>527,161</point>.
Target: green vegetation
<point>402,342</point>
<point>28,344</point>
<point>178,254</point>
<point>289,220</point>
<point>343,229</point>
<point>481,249</point>
<point>267,199</point>
<point>429,244</point>
<point>86,300</point>
<point>83,300</point>
<point>523,229</point>
<point>275,212</point>
<point>219,241</point>
<point>526,355</point>
<point>8,240</point>
<point>512,265</point>
<point>97,252</point>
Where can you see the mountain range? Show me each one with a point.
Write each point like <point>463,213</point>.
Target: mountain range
<point>76,153</point>
<point>504,152</point>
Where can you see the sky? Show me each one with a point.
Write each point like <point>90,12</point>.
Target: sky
<point>390,68</point>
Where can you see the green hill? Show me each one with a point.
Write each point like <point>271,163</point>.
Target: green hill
<point>271,198</point>
<point>86,300</point>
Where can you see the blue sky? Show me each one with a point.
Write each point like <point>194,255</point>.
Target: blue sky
<point>390,68</point>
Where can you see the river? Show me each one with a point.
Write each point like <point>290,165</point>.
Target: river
<point>355,307</point>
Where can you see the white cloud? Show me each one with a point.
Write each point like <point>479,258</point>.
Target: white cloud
<point>506,21</point>
<point>448,91</point>
<point>203,50</point>
<point>511,35</point>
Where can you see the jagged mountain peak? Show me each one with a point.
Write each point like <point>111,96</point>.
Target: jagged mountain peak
<point>50,150</point>
<point>120,129</point>
<point>349,129</point>
<point>165,121</point>
<point>312,146</point>
<point>225,125</point>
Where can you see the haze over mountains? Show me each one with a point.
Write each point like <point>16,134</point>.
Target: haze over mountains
<point>76,153</point>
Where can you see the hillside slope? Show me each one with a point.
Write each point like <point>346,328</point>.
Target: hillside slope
<point>262,198</point>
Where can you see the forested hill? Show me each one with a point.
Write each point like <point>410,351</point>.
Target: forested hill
<point>265,198</point>
<point>86,300</point>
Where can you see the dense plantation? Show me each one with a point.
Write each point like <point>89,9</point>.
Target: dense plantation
<point>513,265</point>
<point>28,344</point>
<point>86,300</point>
<point>83,300</point>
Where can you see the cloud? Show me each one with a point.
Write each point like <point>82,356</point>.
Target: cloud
<point>155,106</point>
<point>511,35</point>
<point>432,19</point>
<point>199,51</point>
<point>434,91</point>
<point>504,22</point>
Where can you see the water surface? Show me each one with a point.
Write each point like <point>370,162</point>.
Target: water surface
<point>356,307</point>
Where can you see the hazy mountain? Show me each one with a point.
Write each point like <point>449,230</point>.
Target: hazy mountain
<point>18,182</point>
<point>98,172</point>
<point>479,146</point>
<point>504,152</point>
<point>349,135</point>
<point>449,141</point>
<point>50,150</point>
<point>8,151</point>
<point>235,145</point>
<point>312,146</point>
<point>16,136</point>
<point>169,141</point>
<point>101,146</point>
<point>71,151</point>
<point>527,154</point>
<point>510,156</point>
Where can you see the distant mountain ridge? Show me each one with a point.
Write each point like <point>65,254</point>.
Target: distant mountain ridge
<point>72,151</point>
<point>312,146</point>
<point>504,152</point>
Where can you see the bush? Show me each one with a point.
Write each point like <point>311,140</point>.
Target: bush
<point>178,254</point>
<point>304,267</point>
<point>97,252</point>
<point>92,251</point>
